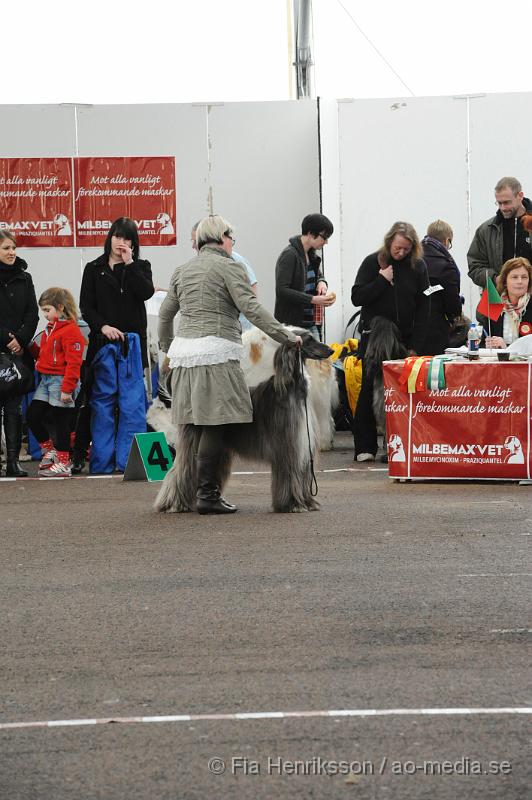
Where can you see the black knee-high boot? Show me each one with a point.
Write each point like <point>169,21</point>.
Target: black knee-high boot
<point>13,431</point>
<point>209,499</point>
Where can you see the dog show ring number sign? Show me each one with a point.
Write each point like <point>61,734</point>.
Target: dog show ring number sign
<point>149,458</point>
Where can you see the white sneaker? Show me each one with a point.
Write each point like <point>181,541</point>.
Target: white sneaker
<point>49,458</point>
<point>57,470</point>
<point>365,457</point>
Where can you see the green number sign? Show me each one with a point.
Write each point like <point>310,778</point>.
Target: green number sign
<point>149,458</point>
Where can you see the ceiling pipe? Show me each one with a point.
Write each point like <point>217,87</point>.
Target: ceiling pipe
<point>303,52</point>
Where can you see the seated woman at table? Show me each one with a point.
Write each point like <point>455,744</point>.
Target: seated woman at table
<point>514,284</point>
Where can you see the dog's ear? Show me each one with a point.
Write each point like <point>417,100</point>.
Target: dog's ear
<point>285,364</point>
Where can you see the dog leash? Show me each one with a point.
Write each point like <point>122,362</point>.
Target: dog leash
<point>313,480</point>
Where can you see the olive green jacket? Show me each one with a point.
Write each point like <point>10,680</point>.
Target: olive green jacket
<point>211,290</point>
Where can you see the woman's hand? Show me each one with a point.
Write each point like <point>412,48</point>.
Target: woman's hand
<point>324,299</point>
<point>497,342</point>
<point>321,288</point>
<point>14,345</point>
<point>299,341</point>
<point>387,272</point>
<point>66,397</point>
<point>127,253</point>
<point>112,333</point>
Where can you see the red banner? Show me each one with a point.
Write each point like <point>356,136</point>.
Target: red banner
<point>142,188</point>
<point>36,201</point>
<point>478,426</point>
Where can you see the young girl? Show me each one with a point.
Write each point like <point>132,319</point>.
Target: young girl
<point>59,359</point>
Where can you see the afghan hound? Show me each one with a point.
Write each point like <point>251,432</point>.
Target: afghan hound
<point>283,434</point>
<point>384,344</point>
<point>257,365</point>
<point>323,394</point>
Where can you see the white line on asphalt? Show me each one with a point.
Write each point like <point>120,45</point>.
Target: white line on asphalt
<point>496,575</point>
<point>240,716</point>
<point>511,630</point>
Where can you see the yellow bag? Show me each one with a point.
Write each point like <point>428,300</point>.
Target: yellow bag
<point>352,369</point>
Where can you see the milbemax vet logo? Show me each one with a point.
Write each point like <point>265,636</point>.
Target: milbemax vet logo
<point>510,452</point>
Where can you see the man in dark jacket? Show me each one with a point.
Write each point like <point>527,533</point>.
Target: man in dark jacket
<point>501,237</point>
<point>299,283</point>
<point>444,277</point>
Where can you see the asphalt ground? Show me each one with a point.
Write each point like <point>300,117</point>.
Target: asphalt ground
<point>393,597</point>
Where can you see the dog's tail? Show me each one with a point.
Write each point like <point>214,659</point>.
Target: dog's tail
<point>384,343</point>
<point>178,492</point>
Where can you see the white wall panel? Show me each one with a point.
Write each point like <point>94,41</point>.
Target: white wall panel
<point>37,131</point>
<point>331,207</point>
<point>400,160</point>
<point>500,146</point>
<point>164,130</point>
<point>264,177</point>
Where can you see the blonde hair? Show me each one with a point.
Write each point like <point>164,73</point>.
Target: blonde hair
<point>440,230</point>
<point>212,229</point>
<point>6,234</point>
<point>56,296</point>
<point>409,232</point>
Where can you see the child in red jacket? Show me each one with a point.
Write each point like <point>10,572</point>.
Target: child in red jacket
<point>59,359</point>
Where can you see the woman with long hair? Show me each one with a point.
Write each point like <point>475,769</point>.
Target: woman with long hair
<point>19,315</point>
<point>390,283</point>
<point>114,289</point>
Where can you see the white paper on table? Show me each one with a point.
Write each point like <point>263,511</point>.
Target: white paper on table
<point>522,346</point>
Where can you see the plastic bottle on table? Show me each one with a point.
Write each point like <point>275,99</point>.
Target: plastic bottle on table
<point>473,342</point>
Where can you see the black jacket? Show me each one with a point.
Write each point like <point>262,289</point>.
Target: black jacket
<point>402,302</point>
<point>116,297</point>
<point>445,304</point>
<point>290,278</point>
<point>19,313</point>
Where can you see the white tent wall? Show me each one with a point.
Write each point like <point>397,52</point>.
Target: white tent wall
<point>332,208</point>
<point>265,177</point>
<point>255,163</point>
<point>416,159</point>
<point>427,158</point>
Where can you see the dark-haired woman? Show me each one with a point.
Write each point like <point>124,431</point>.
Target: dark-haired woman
<point>114,289</point>
<point>19,315</point>
<point>390,283</point>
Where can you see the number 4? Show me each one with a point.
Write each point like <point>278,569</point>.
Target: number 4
<point>156,457</point>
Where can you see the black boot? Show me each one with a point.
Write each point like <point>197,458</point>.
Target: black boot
<point>13,431</point>
<point>78,462</point>
<point>209,500</point>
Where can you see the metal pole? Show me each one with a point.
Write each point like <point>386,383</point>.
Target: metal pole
<point>303,35</point>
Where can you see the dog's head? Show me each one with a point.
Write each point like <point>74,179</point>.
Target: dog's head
<point>311,348</point>
<point>289,359</point>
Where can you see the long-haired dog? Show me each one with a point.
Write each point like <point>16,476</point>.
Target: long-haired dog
<point>323,395</point>
<point>257,365</point>
<point>283,434</point>
<point>384,344</point>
